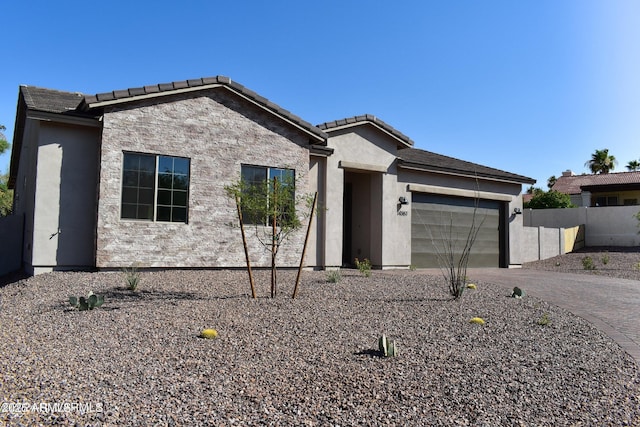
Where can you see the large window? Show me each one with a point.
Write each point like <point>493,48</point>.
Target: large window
<point>155,188</point>
<point>258,182</point>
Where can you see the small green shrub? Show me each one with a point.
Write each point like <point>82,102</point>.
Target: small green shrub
<point>587,263</point>
<point>334,276</point>
<point>132,276</point>
<point>544,320</point>
<point>412,267</point>
<point>364,266</point>
<point>605,258</point>
<point>89,302</point>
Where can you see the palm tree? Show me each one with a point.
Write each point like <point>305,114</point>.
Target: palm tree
<point>601,162</point>
<point>633,165</point>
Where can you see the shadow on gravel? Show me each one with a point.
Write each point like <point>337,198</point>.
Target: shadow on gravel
<point>16,276</point>
<point>123,295</point>
<point>370,352</point>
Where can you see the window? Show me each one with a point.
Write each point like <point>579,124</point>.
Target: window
<point>155,188</point>
<point>258,182</point>
<point>607,201</point>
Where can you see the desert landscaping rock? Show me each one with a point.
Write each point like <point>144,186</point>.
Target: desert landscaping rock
<point>309,361</point>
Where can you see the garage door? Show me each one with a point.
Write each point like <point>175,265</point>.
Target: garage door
<point>442,222</point>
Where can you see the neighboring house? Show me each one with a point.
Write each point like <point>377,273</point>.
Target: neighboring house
<point>605,189</point>
<point>138,176</point>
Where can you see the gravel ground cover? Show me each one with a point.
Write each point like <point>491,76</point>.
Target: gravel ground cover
<point>621,262</point>
<point>138,360</point>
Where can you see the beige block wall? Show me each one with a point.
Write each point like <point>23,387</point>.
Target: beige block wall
<point>218,131</point>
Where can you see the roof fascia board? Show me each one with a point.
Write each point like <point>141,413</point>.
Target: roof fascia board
<point>297,126</point>
<point>368,122</point>
<point>363,167</point>
<point>461,174</point>
<point>448,191</point>
<point>133,98</point>
<point>61,118</point>
<point>320,150</point>
<point>201,88</point>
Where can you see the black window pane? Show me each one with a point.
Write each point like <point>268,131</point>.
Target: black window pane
<point>180,198</point>
<point>148,163</point>
<point>180,182</point>
<point>253,174</point>
<point>165,164</point>
<point>164,197</point>
<point>164,180</point>
<point>130,195</point>
<point>130,178</point>
<point>131,162</point>
<point>145,212</point>
<point>179,215</point>
<point>164,213</point>
<point>129,211</point>
<point>145,196</point>
<point>147,179</point>
<point>180,166</point>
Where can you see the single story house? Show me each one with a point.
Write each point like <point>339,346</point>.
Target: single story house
<point>138,176</point>
<point>605,189</point>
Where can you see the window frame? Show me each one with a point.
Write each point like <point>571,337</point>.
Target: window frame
<point>174,184</point>
<point>269,173</point>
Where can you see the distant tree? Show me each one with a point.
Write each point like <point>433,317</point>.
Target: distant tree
<point>601,162</point>
<point>6,196</point>
<point>633,166</point>
<point>551,181</point>
<point>4,144</point>
<point>549,200</point>
<point>534,190</point>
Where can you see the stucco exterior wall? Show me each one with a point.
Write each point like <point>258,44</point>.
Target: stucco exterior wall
<point>368,156</point>
<point>56,193</point>
<point>218,132</point>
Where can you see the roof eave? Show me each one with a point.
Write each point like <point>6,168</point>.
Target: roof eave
<point>315,133</point>
<point>402,143</point>
<point>466,174</point>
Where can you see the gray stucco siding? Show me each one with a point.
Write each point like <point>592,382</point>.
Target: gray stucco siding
<point>218,132</point>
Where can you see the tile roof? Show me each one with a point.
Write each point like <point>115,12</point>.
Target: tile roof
<point>126,95</point>
<point>574,184</point>
<point>426,160</point>
<point>50,101</point>
<point>54,101</point>
<point>364,119</point>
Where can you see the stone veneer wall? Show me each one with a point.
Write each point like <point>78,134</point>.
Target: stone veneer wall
<point>218,131</point>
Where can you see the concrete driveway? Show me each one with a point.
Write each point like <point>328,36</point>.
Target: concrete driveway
<point>611,305</point>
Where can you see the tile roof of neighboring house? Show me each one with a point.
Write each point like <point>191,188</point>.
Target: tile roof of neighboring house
<point>576,183</point>
<point>364,119</point>
<point>426,160</point>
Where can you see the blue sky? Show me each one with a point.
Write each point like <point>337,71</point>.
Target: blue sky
<point>531,87</point>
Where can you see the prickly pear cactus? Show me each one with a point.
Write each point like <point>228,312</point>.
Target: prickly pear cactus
<point>89,302</point>
<point>517,293</point>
